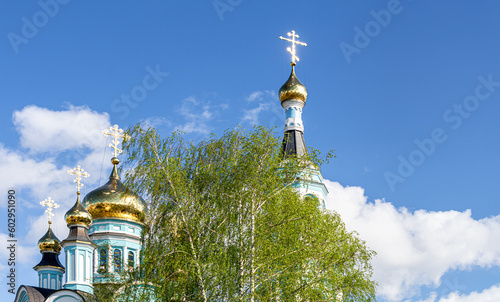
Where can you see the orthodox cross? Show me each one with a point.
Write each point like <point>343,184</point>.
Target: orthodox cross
<point>50,204</point>
<point>292,49</point>
<point>79,173</point>
<point>116,133</point>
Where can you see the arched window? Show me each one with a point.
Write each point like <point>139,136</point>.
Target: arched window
<point>117,260</point>
<point>131,260</point>
<point>72,275</point>
<point>103,260</point>
<point>81,265</point>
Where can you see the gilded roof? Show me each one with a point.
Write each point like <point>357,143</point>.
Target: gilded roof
<point>114,200</point>
<point>77,215</point>
<point>293,88</point>
<point>49,242</point>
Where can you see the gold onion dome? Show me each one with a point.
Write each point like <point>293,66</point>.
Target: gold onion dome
<point>77,215</point>
<point>293,88</point>
<point>113,200</point>
<point>49,242</point>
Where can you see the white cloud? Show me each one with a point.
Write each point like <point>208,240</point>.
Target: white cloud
<point>251,116</point>
<point>197,115</point>
<point>418,248</point>
<point>21,172</point>
<point>39,174</point>
<point>39,226</point>
<point>22,252</point>
<point>414,248</point>
<point>491,294</point>
<point>56,141</point>
<point>44,130</point>
<point>432,298</point>
<point>155,121</point>
<point>257,95</point>
<point>267,103</point>
<point>26,248</point>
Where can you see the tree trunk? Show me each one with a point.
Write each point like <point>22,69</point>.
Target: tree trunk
<point>240,260</point>
<point>252,253</point>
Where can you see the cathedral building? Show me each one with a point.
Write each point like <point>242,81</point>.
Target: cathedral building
<point>104,237</point>
<point>104,229</point>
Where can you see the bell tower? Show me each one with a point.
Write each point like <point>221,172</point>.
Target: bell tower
<point>50,270</point>
<point>78,247</point>
<point>293,95</point>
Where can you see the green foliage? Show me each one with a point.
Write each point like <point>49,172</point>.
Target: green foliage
<point>125,286</point>
<point>225,223</point>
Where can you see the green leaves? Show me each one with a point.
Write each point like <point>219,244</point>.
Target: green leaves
<point>226,223</point>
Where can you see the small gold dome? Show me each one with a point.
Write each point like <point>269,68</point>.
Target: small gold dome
<point>114,200</point>
<point>293,89</point>
<point>78,215</point>
<point>49,242</point>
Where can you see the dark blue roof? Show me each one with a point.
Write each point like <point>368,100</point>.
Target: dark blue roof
<point>50,259</point>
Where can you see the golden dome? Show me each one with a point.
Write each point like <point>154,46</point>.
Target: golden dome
<point>49,242</point>
<point>293,89</point>
<point>77,214</point>
<point>114,200</point>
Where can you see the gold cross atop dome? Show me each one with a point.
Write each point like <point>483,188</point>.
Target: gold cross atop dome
<point>79,172</point>
<point>292,49</point>
<point>116,133</point>
<point>50,204</point>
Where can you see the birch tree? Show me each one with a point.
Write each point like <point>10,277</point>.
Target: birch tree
<point>225,222</point>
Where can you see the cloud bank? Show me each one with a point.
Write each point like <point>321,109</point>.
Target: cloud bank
<point>416,249</point>
<point>44,130</point>
<point>491,294</point>
<point>35,170</point>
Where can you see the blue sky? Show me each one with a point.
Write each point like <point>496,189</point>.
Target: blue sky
<point>406,92</point>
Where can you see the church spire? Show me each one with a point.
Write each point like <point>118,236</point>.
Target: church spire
<point>78,247</point>
<point>293,96</point>
<point>50,270</point>
<point>77,215</point>
<point>115,209</point>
